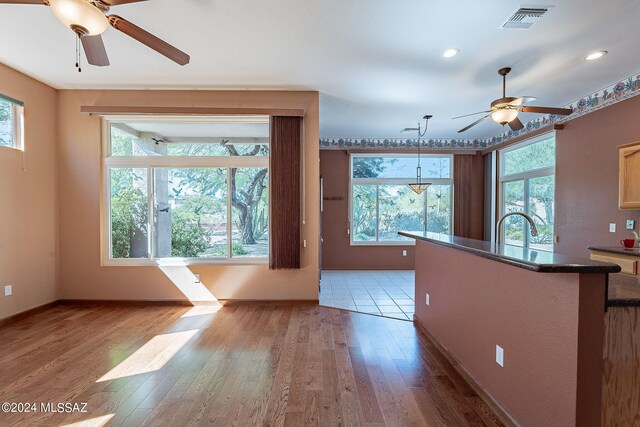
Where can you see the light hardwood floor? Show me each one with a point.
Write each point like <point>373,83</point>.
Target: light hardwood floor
<point>246,365</point>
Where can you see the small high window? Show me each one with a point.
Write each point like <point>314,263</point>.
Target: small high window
<point>11,122</point>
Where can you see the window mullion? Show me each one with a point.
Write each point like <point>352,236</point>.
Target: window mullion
<point>425,211</point>
<point>107,210</point>
<point>229,213</point>
<point>525,227</point>
<point>151,247</point>
<point>377,213</point>
<point>14,126</point>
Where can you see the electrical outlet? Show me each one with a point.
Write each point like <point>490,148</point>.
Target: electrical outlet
<point>631,224</point>
<point>426,299</point>
<point>404,253</point>
<point>304,243</point>
<point>612,228</point>
<point>196,278</point>
<point>500,356</point>
<point>8,290</point>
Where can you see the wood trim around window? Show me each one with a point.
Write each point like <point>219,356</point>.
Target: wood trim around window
<point>196,111</point>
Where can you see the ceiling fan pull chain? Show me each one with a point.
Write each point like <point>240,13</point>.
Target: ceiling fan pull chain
<point>78,55</point>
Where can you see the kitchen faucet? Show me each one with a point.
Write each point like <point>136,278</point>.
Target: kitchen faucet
<point>534,229</point>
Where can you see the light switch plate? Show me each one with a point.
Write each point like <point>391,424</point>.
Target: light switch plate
<point>631,224</point>
<point>612,228</point>
<point>426,299</point>
<point>500,356</point>
<point>8,290</point>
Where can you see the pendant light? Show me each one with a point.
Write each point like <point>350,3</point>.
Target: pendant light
<point>419,186</point>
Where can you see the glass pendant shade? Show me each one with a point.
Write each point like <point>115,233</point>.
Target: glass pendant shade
<point>504,116</point>
<point>80,14</point>
<point>419,187</point>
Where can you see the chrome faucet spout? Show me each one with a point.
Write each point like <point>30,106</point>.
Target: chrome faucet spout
<point>534,229</point>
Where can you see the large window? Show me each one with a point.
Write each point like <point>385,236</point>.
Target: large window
<point>382,203</point>
<point>185,188</point>
<point>11,122</point>
<point>528,185</point>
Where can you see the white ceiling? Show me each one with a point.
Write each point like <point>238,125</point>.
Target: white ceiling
<point>376,63</point>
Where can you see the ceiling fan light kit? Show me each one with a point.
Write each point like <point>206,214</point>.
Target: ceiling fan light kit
<point>80,16</point>
<point>504,116</point>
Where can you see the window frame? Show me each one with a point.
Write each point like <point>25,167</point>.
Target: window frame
<point>504,179</point>
<point>17,123</point>
<point>393,181</point>
<point>150,163</point>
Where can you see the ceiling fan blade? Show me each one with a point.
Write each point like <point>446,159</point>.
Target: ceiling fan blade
<point>149,39</point>
<point>472,114</point>
<point>95,51</point>
<point>119,2</point>
<point>547,110</point>
<point>522,100</point>
<point>473,124</point>
<point>40,2</point>
<point>516,124</point>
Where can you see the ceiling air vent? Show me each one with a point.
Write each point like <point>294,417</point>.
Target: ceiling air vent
<point>525,17</point>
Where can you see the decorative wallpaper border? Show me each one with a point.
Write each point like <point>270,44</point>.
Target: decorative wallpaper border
<point>402,144</point>
<point>612,94</point>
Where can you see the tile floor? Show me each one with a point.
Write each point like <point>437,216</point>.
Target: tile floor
<point>381,292</point>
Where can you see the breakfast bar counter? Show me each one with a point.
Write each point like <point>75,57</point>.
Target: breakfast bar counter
<point>531,259</point>
<point>508,316</point>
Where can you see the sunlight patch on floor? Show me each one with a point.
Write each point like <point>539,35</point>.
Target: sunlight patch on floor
<point>92,422</point>
<point>201,310</point>
<point>152,356</point>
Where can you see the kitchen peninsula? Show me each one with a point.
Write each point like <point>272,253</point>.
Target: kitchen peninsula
<point>510,316</point>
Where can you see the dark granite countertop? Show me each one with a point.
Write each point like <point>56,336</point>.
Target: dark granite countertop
<point>624,290</point>
<point>530,259</point>
<point>617,250</point>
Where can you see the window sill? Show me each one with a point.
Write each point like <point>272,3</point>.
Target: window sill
<point>183,262</point>
<point>14,148</point>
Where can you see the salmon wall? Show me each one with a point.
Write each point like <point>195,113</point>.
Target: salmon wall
<point>82,277</point>
<point>587,178</point>
<point>28,199</point>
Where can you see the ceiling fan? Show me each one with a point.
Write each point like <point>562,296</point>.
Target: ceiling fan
<point>89,19</point>
<point>505,110</point>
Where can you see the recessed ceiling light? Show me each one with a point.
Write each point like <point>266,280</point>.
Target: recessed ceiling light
<point>596,55</point>
<point>450,53</point>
